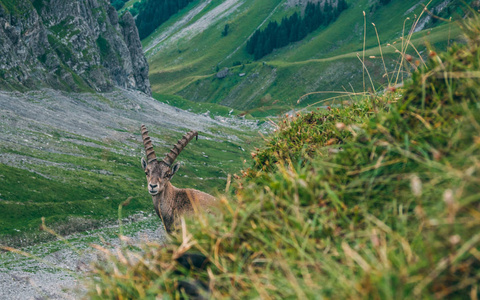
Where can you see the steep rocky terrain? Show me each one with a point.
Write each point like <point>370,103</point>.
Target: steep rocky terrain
<point>69,45</point>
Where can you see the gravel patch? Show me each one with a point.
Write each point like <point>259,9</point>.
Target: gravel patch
<point>57,270</point>
<point>95,116</point>
<point>59,122</point>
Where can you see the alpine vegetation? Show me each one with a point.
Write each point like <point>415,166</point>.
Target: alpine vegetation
<point>377,198</point>
<point>293,28</point>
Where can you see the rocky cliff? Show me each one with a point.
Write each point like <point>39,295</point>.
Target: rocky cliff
<point>73,45</point>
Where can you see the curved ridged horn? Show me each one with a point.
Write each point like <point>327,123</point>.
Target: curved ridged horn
<point>170,158</point>
<point>148,145</point>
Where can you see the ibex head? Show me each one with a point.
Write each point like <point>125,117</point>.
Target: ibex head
<point>159,173</point>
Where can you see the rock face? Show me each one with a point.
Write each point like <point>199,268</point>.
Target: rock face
<point>222,73</point>
<point>130,36</point>
<point>72,45</point>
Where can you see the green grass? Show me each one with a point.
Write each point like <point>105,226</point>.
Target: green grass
<point>187,68</point>
<point>16,7</point>
<point>128,4</point>
<point>375,199</point>
<point>196,107</point>
<point>203,52</point>
<point>388,19</point>
<point>267,90</point>
<point>88,182</point>
<point>78,243</point>
<point>77,190</point>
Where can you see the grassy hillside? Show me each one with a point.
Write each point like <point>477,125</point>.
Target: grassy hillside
<point>186,64</point>
<point>377,199</point>
<point>76,181</point>
<point>76,188</point>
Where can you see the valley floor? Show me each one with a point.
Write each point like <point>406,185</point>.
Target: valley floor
<point>73,158</point>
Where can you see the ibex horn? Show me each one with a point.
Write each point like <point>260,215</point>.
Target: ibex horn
<point>148,145</point>
<point>170,158</point>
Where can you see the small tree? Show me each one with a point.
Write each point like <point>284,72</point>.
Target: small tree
<point>225,30</point>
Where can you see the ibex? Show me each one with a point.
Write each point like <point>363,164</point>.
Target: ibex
<point>170,202</point>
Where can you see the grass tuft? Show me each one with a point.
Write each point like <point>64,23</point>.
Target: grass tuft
<point>377,199</point>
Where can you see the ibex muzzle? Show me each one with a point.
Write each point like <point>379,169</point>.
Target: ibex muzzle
<point>170,202</point>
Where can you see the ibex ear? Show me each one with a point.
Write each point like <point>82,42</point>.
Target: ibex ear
<point>144,164</point>
<point>175,169</point>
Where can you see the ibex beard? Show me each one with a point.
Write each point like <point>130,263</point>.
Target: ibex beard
<point>170,202</point>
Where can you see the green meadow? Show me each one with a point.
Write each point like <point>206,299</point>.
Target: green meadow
<point>83,188</point>
<point>326,60</point>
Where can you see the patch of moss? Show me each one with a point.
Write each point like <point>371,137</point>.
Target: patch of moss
<point>64,28</point>
<point>61,49</point>
<point>39,5</point>
<point>104,47</point>
<point>81,84</point>
<point>42,58</point>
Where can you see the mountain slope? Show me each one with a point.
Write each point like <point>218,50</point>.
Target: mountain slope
<point>69,45</point>
<point>378,199</point>
<point>186,52</point>
<point>73,158</point>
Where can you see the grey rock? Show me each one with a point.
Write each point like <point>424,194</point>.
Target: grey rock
<point>140,64</point>
<point>70,45</point>
<point>222,73</point>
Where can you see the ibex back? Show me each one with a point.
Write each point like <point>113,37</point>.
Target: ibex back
<point>170,202</point>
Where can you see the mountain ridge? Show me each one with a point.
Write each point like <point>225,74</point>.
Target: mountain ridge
<point>69,45</point>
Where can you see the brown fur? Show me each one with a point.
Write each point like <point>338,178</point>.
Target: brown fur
<point>171,202</point>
